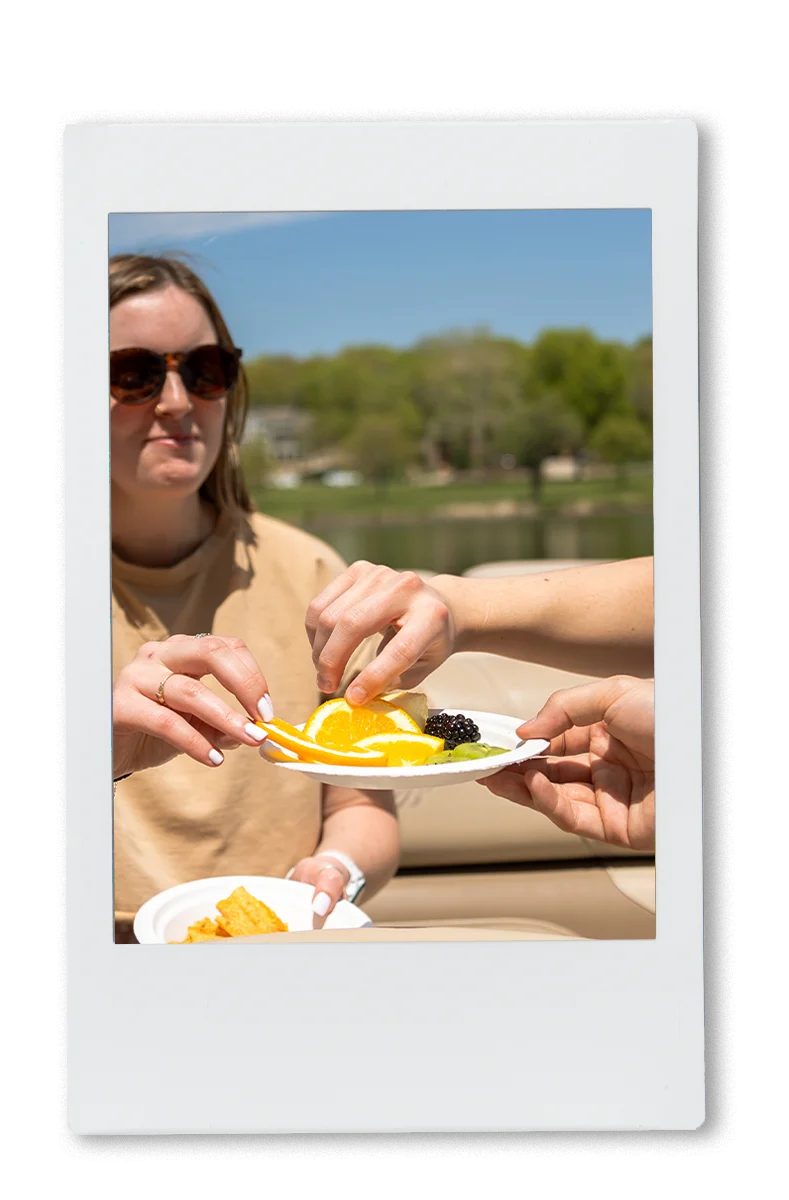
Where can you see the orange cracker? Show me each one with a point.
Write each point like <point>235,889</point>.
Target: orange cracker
<point>204,930</point>
<point>244,915</point>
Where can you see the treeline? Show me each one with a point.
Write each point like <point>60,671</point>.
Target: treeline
<point>469,401</point>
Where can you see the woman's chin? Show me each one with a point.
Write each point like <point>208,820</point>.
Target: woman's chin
<point>180,477</point>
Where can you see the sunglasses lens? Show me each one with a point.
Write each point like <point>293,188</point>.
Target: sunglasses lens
<point>210,371</point>
<point>135,375</point>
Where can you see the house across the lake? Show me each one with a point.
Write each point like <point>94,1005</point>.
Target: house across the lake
<point>284,427</point>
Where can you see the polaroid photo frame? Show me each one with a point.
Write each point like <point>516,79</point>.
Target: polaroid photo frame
<point>431,1034</point>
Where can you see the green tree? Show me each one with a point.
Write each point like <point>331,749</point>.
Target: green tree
<point>547,426</point>
<point>256,461</point>
<point>467,387</point>
<point>619,439</point>
<point>359,380</point>
<point>274,380</point>
<point>380,448</point>
<point>463,395</point>
<point>590,375</point>
<point>640,379</point>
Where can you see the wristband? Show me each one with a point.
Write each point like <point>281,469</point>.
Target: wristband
<point>357,879</point>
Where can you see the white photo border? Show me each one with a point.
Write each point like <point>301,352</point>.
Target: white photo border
<point>472,1036</point>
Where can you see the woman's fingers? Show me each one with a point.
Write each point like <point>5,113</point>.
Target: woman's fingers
<point>222,741</point>
<point>329,880</point>
<point>571,769</point>
<point>227,659</point>
<point>614,788</point>
<point>571,806</point>
<point>330,885</point>
<point>575,741</point>
<point>265,707</point>
<point>342,628</point>
<point>378,599</point>
<point>626,706</point>
<point>183,694</point>
<point>398,656</point>
<point>579,706</point>
<point>330,594</point>
<point>156,720</point>
<point>509,786</point>
<point>159,700</point>
<point>326,609</point>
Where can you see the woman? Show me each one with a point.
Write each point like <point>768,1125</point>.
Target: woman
<point>207,624</point>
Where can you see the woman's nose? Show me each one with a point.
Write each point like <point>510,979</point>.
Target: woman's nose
<point>174,400</point>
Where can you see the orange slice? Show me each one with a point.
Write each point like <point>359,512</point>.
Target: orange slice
<point>290,738</point>
<point>403,749</point>
<point>274,751</point>
<point>277,753</point>
<point>337,725</point>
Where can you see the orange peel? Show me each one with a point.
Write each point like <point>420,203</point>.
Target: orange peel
<point>290,738</point>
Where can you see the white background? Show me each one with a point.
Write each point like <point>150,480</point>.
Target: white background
<point>133,1016</point>
<point>200,62</point>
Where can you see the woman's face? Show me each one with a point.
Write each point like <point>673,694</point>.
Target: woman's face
<point>171,443</point>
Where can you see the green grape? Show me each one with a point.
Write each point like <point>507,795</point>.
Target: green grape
<point>476,750</point>
<point>469,750</point>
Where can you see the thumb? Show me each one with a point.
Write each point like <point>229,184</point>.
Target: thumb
<point>329,889</point>
<point>579,706</point>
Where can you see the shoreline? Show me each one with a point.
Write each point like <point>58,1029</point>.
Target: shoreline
<point>474,511</point>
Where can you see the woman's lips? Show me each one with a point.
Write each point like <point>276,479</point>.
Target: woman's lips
<point>173,439</point>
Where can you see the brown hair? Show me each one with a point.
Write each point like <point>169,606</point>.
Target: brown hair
<point>131,274</point>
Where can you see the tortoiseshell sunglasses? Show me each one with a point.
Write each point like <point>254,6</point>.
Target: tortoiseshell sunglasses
<point>137,376</point>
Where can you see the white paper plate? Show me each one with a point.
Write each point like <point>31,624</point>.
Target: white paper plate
<point>495,729</point>
<point>167,917</point>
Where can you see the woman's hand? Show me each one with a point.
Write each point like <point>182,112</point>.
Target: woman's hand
<point>192,720</point>
<point>363,827</point>
<point>417,624</point>
<point>327,876</point>
<point>599,780</point>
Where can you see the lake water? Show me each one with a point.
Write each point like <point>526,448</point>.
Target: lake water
<point>454,546</point>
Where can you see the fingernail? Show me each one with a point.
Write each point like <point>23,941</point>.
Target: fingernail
<point>216,758</point>
<point>266,708</point>
<point>324,685</point>
<point>320,905</point>
<point>254,731</point>
<point>357,695</point>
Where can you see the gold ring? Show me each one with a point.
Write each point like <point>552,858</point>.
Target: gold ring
<point>160,690</point>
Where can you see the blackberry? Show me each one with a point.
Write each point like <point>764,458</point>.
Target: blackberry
<point>456,730</point>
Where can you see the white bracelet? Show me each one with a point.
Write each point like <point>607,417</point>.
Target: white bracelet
<point>356,882</point>
<point>350,866</point>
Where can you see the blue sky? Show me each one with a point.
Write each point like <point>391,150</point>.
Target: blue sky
<point>306,284</point>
